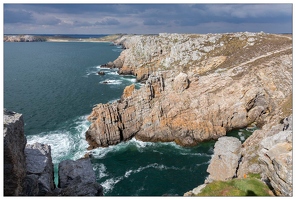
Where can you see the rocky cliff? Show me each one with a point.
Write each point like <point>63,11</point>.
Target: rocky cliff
<point>267,152</point>
<point>28,169</point>
<point>197,87</point>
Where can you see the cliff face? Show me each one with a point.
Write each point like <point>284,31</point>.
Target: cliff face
<point>14,158</point>
<point>28,169</point>
<point>197,87</point>
<point>267,152</point>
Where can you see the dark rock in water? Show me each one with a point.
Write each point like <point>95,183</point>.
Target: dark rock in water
<point>14,158</point>
<point>101,73</point>
<point>77,178</point>
<point>39,170</point>
<point>109,65</point>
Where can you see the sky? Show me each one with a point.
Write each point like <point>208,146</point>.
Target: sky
<point>146,18</point>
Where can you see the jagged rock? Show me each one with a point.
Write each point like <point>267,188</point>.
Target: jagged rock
<point>101,73</point>
<point>192,94</point>
<point>251,147</point>
<point>128,91</point>
<point>276,159</point>
<point>181,82</point>
<point>14,158</point>
<point>40,170</point>
<point>224,163</point>
<point>77,178</point>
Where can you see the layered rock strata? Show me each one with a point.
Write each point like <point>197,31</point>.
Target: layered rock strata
<point>28,169</point>
<point>197,87</point>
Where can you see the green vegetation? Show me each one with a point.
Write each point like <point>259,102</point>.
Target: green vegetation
<point>250,186</point>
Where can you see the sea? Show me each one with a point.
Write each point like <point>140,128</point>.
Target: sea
<point>55,85</point>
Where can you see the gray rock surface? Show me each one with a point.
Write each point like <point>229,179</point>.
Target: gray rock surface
<point>224,163</point>
<point>14,158</point>
<point>40,170</point>
<point>77,178</point>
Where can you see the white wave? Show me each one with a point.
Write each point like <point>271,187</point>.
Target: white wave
<point>196,154</point>
<point>112,73</point>
<point>204,163</point>
<point>111,82</point>
<point>109,184</point>
<point>242,138</point>
<point>132,80</point>
<point>101,168</point>
<point>113,101</point>
<point>61,143</point>
<point>153,165</point>
<point>65,144</point>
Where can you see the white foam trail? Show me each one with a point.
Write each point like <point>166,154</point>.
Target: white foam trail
<point>111,82</point>
<point>60,141</point>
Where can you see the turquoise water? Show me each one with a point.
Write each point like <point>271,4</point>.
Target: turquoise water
<point>55,86</point>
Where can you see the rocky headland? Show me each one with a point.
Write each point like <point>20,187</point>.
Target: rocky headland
<point>28,168</point>
<point>199,87</point>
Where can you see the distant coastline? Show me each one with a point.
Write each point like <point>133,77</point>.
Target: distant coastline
<point>60,38</point>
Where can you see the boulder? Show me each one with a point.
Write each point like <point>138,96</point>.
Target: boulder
<point>77,178</point>
<point>14,158</point>
<point>224,163</point>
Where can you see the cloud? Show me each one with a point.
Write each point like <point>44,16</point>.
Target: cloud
<point>153,22</point>
<point>20,16</point>
<point>108,21</point>
<point>134,18</point>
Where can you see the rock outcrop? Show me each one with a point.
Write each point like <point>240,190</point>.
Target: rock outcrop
<point>40,174</point>
<point>267,152</point>
<point>224,163</point>
<point>197,87</point>
<point>23,38</point>
<point>14,157</point>
<point>28,169</point>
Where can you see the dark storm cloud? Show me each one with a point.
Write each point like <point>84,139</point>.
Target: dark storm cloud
<point>143,16</point>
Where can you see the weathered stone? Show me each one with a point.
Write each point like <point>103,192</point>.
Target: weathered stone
<point>128,91</point>
<point>181,103</point>
<point>275,159</point>
<point>224,163</point>
<point>77,178</point>
<point>14,158</point>
<point>181,82</point>
<point>39,170</point>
